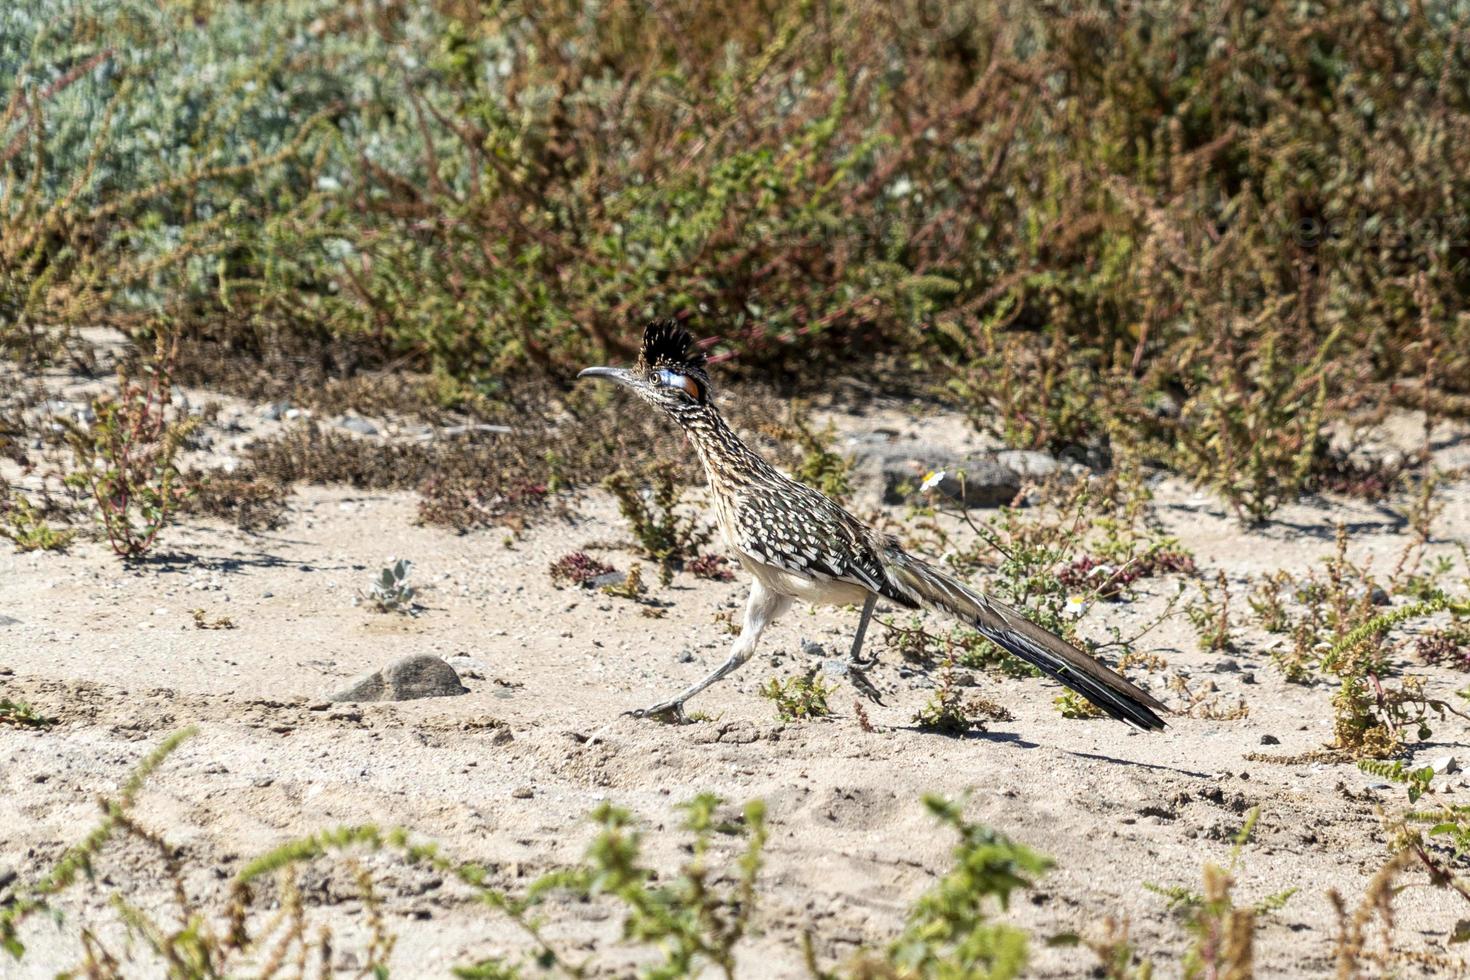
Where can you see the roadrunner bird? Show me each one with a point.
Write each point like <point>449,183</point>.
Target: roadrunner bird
<point>797,543</point>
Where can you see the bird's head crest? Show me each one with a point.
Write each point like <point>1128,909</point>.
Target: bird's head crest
<point>670,371</point>
<point>668,346</point>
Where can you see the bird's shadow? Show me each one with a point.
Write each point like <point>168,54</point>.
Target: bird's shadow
<point>1016,741</point>
<point>1142,765</point>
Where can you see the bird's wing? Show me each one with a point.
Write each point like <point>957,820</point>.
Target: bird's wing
<point>802,531</point>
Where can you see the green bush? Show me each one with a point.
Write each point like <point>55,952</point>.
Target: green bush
<point>1244,220</point>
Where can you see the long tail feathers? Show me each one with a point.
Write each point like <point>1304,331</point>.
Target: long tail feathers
<point>1007,628</point>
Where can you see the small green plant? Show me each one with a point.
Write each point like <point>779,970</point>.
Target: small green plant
<point>1031,392</point>
<point>692,919</point>
<point>952,933</point>
<point>1210,615</point>
<point>1414,781</point>
<point>18,714</point>
<point>124,459</point>
<point>1223,933</point>
<point>26,527</point>
<point>1266,601</point>
<point>631,587</point>
<point>390,591</point>
<point>1072,705</point>
<point>203,622</point>
<point>949,711</point>
<point>659,530</point>
<point>798,698</point>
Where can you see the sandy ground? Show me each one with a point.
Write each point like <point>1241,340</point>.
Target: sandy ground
<point>113,652</point>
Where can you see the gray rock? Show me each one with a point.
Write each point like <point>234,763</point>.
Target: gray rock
<point>883,470</point>
<point>1227,667</point>
<point>422,675</point>
<point>1444,765</point>
<point>361,426</point>
<point>1270,740</point>
<point>273,412</point>
<point>605,579</point>
<point>1028,463</point>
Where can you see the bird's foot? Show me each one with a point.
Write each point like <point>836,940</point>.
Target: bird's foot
<point>671,712</point>
<point>864,686</point>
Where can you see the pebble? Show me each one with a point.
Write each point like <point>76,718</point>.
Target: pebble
<point>1445,765</point>
<point>522,793</point>
<point>1270,740</point>
<point>1227,667</point>
<point>361,426</point>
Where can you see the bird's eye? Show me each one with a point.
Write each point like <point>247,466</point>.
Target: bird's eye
<point>686,384</point>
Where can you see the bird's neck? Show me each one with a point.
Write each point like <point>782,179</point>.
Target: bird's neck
<point>727,460</point>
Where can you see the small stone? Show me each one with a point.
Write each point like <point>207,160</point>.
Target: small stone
<point>273,413</point>
<point>813,649</point>
<point>419,676</point>
<point>686,657</point>
<point>605,579</point>
<point>1227,667</point>
<point>522,792</point>
<point>1270,740</point>
<point>1445,765</point>
<point>361,426</point>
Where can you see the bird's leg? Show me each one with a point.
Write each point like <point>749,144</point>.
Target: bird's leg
<point>857,641</point>
<point>855,663</point>
<point>763,607</point>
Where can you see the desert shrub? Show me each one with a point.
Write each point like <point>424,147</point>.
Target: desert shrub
<point>578,568</point>
<point>25,525</point>
<point>1254,230</point>
<point>143,160</point>
<point>125,459</point>
<point>661,530</point>
<point>1345,623</point>
<point>244,498</point>
<point>1085,543</point>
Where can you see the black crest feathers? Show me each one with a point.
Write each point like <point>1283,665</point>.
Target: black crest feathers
<point>668,345</point>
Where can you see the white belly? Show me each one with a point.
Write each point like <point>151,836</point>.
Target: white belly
<point>817,590</point>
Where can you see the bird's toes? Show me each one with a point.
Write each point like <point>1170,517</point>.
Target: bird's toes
<point>668,711</point>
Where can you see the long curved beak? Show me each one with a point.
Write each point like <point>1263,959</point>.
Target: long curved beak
<point>621,375</point>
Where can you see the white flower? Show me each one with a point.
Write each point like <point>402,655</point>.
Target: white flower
<point>1076,605</point>
<point>932,480</point>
